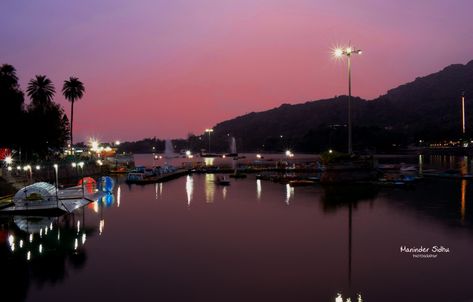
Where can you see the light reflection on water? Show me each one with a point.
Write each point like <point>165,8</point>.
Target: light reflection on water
<point>289,193</point>
<point>296,253</point>
<point>189,189</point>
<point>258,189</point>
<point>209,188</point>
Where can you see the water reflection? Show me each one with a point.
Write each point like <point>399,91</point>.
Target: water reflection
<point>189,188</point>
<point>118,196</point>
<point>421,164</point>
<point>335,197</point>
<point>339,298</point>
<point>209,188</point>
<point>158,190</point>
<point>359,228</point>
<point>464,183</point>
<point>258,189</point>
<point>224,192</point>
<point>40,249</point>
<point>107,200</point>
<point>36,233</point>
<point>101,226</point>
<point>289,193</point>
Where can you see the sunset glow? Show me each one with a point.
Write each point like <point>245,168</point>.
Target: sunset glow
<point>167,68</point>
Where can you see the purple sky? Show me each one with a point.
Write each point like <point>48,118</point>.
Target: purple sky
<point>167,68</point>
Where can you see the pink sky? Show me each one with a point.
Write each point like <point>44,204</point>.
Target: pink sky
<point>167,68</point>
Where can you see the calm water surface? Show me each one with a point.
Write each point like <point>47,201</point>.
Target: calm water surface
<point>190,240</point>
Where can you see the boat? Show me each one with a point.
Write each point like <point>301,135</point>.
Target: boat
<point>222,181</point>
<point>44,197</point>
<point>142,173</point>
<point>144,176</point>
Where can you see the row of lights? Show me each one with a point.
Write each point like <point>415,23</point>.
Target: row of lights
<point>56,166</point>
<point>24,168</point>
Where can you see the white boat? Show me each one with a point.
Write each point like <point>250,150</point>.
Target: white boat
<point>44,197</point>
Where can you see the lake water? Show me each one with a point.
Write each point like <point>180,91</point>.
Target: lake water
<point>191,240</point>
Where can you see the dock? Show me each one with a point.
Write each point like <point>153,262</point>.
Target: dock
<point>159,178</point>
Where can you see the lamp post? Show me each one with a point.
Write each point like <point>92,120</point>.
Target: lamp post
<point>81,165</point>
<point>209,130</point>
<point>348,52</point>
<point>57,182</point>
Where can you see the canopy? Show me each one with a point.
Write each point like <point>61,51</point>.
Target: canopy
<point>37,191</point>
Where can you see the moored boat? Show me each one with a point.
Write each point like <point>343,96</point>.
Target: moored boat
<point>222,181</point>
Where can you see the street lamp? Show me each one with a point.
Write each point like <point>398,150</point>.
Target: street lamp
<point>8,160</point>
<point>209,130</point>
<point>348,52</point>
<point>81,165</point>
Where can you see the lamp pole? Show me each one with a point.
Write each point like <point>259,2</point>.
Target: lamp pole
<point>56,167</point>
<point>348,52</point>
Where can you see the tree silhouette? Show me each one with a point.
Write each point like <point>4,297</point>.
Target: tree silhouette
<point>73,90</point>
<point>12,104</point>
<point>41,91</point>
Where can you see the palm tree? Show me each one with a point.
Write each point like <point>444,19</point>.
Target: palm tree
<point>73,90</point>
<point>41,91</point>
<point>8,75</point>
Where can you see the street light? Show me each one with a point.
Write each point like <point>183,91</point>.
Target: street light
<point>8,160</point>
<point>81,165</point>
<point>209,130</point>
<point>348,52</point>
<point>56,174</point>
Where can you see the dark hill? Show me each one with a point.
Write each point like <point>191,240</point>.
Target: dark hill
<point>427,108</point>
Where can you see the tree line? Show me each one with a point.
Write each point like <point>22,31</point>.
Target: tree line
<point>40,128</point>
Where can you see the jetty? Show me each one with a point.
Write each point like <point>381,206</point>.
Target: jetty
<point>159,178</point>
